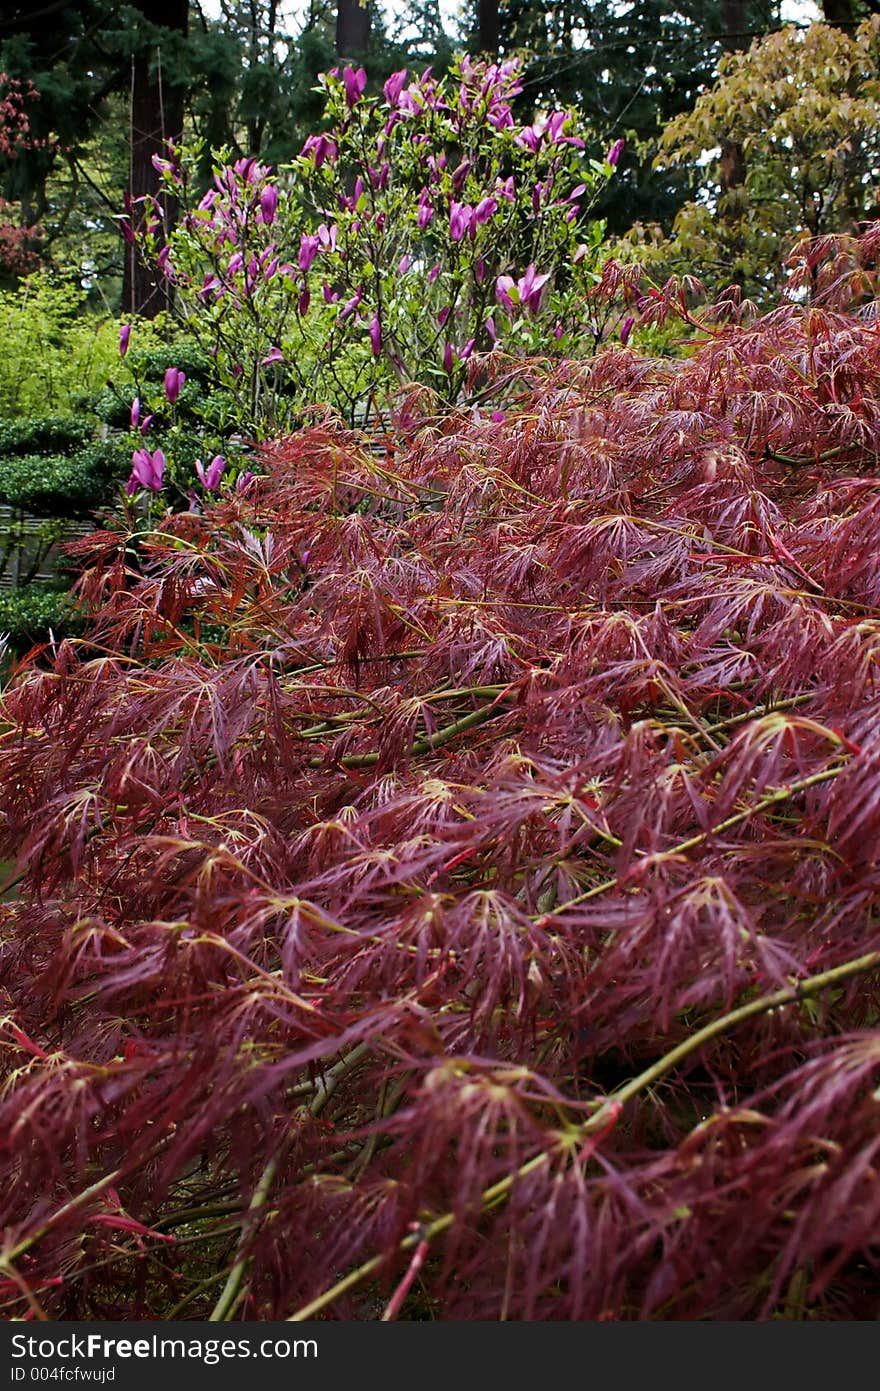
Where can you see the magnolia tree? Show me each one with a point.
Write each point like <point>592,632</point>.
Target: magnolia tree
<point>418,229</point>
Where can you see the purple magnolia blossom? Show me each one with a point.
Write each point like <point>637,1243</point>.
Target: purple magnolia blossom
<point>210,286</point>
<point>528,139</point>
<point>394,86</point>
<point>273,355</point>
<point>308,250</point>
<point>506,189</point>
<point>503,286</point>
<point>320,147</point>
<point>269,203</point>
<point>146,423</point>
<point>486,208</point>
<point>460,215</point>
<point>613,155</point>
<point>305,300</point>
<point>626,329</point>
<point>375,335</point>
<point>491,329</point>
<point>447,357</point>
<point>528,290</point>
<point>443,315</point>
<point>135,413</point>
<point>210,477</point>
<point>354,83</point>
<point>460,173</point>
<point>174,380</point>
<point>236,261</point>
<point>327,236</point>
<point>163,166</point>
<point>553,129</point>
<point>147,471</point>
<point>330,296</point>
<point>425,213</point>
<point>243,482</point>
<point>351,305</point>
<point>403,265</point>
<point>124,336</point>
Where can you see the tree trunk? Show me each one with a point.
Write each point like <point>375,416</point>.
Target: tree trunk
<point>488,30</point>
<point>352,29</point>
<point>156,116</point>
<point>734,38</point>
<point>839,13</point>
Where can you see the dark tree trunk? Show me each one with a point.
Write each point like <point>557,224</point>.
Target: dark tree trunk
<point>156,116</point>
<point>352,29</point>
<point>839,13</point>
<point>733,27</point>
<point>487,26</point>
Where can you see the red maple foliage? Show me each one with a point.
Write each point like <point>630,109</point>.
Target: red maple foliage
<point>456,866</point>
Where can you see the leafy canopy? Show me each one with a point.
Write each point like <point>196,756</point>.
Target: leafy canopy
<point>803,105</point>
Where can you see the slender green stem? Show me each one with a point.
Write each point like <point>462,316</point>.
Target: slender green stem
<point>433,741</point>
<point>606,1114</point>
<point>232,1292</point>
<point>781,794</point>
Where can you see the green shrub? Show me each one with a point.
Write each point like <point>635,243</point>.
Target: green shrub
<point>42,434</point>
<point>54,485</point>
<point>28,614</point>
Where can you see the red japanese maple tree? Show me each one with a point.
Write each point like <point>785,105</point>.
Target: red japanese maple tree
<point>454,867</point>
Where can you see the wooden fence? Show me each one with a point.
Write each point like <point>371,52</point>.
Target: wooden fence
<point>31,548</point>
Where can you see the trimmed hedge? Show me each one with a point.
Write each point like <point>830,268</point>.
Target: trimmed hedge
<point>48,434</point>
<point>27,614</point>
<point>60,485</point>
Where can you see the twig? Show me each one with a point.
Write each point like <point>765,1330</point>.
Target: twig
<point>605,1116</point>
<point>232,1293</point>
<point>781,794</point>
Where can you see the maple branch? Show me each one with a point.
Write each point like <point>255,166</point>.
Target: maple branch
<point>606,1114</point>
<point>781,794</point>
<point>231,1294</point>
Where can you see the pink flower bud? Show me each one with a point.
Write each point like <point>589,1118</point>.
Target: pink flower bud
<point>174,380</point>
<point>269,203</point>
<point>614,153</point>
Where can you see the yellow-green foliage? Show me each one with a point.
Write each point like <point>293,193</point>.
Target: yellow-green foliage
<point>803,105</point>
<point>56,352</point>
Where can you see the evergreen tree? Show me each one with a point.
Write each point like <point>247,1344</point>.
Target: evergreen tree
<point>629,67</point>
